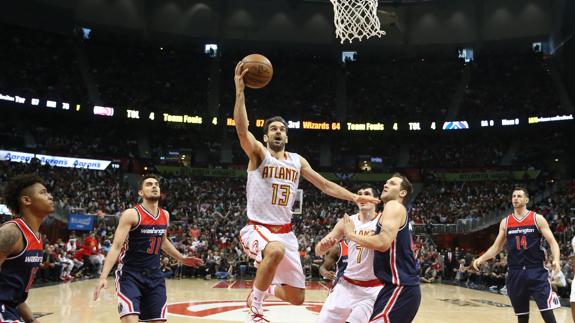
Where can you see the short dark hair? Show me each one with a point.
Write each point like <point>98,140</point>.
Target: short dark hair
<point>274,119</point>
<point>405,185</point>
<point>145,177</point>
<point>519,188</point>
<point>16,185</point>
<point>366,186</point>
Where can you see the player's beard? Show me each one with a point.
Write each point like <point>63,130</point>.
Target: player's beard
<point>276,148</point>
<point>153,198</point>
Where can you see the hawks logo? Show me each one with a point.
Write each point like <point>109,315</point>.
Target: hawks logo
<point>255,247</point>
<point>275,311</point>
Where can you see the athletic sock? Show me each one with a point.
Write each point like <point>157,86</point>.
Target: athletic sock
<point>271,290</point>
<point>258,299</point>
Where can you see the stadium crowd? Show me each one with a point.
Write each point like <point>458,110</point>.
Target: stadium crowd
<point>511,85</point>
<point>398,89</point>
<point>37,64</point>
<point>464,150</point>
<point>311,84</point>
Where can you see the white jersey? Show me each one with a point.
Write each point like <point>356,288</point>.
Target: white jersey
<point>271,189</point>
<point>573,244</point>
<point>360,259</point>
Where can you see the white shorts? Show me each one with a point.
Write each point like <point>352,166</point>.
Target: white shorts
<point>572,296</point>
<point>254,238</point>
<point>348,303</point>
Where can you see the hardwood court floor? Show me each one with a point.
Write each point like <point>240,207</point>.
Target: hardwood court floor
<point>218,302</point>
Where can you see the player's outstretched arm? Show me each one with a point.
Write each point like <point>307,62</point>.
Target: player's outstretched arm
<point>251,146</point>
<point>495,248</point>
<point>548,235</point>
<point>10,241</point>
<point>331,239</point>
<point>330,188</point>
<point>169,248</point>
<point>326,268</point>
<point>392,218</point>
<point>128,219</point>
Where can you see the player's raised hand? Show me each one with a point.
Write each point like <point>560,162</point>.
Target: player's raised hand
<point>102,283</point>
<point>192,261</point>
<point>329,275</point>
<point>348,226</point>
<point>477,263</point>
<point>239,77</point>
<point>365,199</point>
<point>555,267</point>
<point>326,243</point>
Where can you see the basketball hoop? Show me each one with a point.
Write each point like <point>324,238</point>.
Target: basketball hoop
<point>356,19</point>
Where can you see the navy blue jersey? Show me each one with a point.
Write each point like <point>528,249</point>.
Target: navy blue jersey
<point>524,243</point>
<point>141,250</point>
<point>397,265</point>
<point>18,272</point>
<point>341,263</point>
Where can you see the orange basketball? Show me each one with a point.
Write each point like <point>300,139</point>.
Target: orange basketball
<point>260,71</point>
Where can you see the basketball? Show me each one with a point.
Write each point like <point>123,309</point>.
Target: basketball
<point>260,71</point>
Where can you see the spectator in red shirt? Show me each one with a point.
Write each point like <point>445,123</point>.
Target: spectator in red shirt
<point>195,232</point>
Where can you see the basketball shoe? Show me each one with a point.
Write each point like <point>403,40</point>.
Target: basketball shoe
<point>254,315</point>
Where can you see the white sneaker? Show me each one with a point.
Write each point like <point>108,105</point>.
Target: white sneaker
<point>254,316</point>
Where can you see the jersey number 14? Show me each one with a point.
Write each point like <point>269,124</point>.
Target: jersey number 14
<point>521,242</point>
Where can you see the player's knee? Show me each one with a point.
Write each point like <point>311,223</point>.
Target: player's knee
<point>275,251</point>
<point>129,319</point>
<point>299,298</point>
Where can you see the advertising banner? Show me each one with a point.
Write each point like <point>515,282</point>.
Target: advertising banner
<point>57,161</point>
<point>81,222</point>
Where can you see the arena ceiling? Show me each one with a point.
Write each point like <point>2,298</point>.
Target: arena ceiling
<point>422,22</point>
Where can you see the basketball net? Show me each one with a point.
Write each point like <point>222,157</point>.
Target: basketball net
<point>356,19</point>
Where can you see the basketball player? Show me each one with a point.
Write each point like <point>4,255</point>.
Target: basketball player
<point>273,178</point>
<point>352,299</point>
<point>21,248</point>
<point>138,239</point>
<point>521,232</point>
<point>394,262</point>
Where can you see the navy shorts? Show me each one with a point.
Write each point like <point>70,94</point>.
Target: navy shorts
<point>141,293</point>
<point>10,314</point>
<point>396,304</point>
<point>530,282</point>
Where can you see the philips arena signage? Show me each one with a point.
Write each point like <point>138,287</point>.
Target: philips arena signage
<point>56,161</point>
